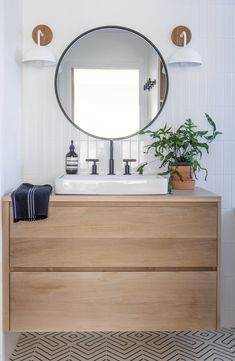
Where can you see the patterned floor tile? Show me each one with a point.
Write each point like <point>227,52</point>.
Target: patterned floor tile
<point>126,346</point>
<point>52,347</point>
<point>81,355</point>
<point>90,346</point>
<point>25,347</point>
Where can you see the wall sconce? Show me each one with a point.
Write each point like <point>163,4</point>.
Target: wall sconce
<point>39,54</point>
<point>184,55</point>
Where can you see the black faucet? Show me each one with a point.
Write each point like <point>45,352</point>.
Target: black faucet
<point>111,160</point>
<point>127,166</point>
<point>94,166</point>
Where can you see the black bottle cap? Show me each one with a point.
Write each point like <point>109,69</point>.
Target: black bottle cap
<point>71,147</point>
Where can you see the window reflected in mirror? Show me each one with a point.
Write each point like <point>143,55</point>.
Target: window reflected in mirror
<point>104,99</point>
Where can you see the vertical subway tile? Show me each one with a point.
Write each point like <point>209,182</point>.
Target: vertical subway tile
<point>228,225</point>
<point>126,148</point>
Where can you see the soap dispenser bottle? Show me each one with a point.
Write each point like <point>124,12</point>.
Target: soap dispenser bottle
<point>71,160</point>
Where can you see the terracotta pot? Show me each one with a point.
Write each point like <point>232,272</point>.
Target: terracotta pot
<point>186,173</point>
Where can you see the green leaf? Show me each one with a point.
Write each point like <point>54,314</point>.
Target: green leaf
<point>206,172</point>
<point>164,173</point>
<point>140,169</point>
<point>203,145</point>
<point>211,122</point>
<point>175,171</point>
<point>210,138</point>
<point>170,187</point>
<point>201,133</point>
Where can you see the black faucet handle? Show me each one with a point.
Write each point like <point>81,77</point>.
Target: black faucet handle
<point>94,165</point>
<point>127,166</point>
<point>129,160</point>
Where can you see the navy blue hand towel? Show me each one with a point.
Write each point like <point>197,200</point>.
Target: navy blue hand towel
<point>30,203</point>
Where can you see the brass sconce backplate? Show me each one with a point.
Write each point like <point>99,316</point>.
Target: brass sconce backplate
<point>47,34</point>
<point>177,39</point>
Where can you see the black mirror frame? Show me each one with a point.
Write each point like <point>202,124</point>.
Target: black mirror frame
<point>120,28</point>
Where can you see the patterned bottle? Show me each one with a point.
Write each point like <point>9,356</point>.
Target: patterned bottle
<point>71,160</point>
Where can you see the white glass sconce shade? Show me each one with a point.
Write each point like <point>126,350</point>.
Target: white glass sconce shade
<point>185,55</point>
<point>39,55</point>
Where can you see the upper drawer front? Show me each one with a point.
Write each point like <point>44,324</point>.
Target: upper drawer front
<point>150,236</point>
<point>173,220</point>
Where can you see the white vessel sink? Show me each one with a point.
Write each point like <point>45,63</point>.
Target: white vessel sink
<point>110,184</point>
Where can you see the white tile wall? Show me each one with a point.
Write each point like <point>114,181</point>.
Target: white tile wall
<point>10,125</point>
<point>193,91</point>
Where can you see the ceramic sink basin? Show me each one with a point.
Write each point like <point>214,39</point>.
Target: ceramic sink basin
<point>110,184</point>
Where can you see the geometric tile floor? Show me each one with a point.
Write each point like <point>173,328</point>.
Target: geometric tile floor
<point>126,346</point>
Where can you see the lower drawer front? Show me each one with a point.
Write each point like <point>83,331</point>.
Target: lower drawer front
<point>60,301</point>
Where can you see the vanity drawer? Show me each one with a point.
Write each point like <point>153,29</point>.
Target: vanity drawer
<point>59,301</point>
<point>120,221</point>
<point>118,236</point>
<point>113,252</point>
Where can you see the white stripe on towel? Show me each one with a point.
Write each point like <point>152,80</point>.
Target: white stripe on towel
<point>28,204</point>
<point>30,209</point>
<point>33,202</point>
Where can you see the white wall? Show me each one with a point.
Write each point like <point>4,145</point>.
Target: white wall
<point>1,150</point>
<point>193,91</point>
<point>10,122</point>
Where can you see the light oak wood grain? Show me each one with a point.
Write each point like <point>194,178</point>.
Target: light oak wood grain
<point>47,34</point>
<point>113,301</point>
<point>5,254</point>
<point>122,222</point>
<point>113,252</point>
<point>177,39</point>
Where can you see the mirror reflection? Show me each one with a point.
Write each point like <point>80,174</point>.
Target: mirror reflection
<point>111,83</point>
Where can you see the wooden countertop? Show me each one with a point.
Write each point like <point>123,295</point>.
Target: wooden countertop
<point>196,195</point>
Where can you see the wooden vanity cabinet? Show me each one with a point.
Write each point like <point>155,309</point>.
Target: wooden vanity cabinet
<point>114,263</point>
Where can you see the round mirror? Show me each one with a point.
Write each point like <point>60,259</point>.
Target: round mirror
<point>111,82</point>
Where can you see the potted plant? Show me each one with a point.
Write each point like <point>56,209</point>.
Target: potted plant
<point>180,151</point>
